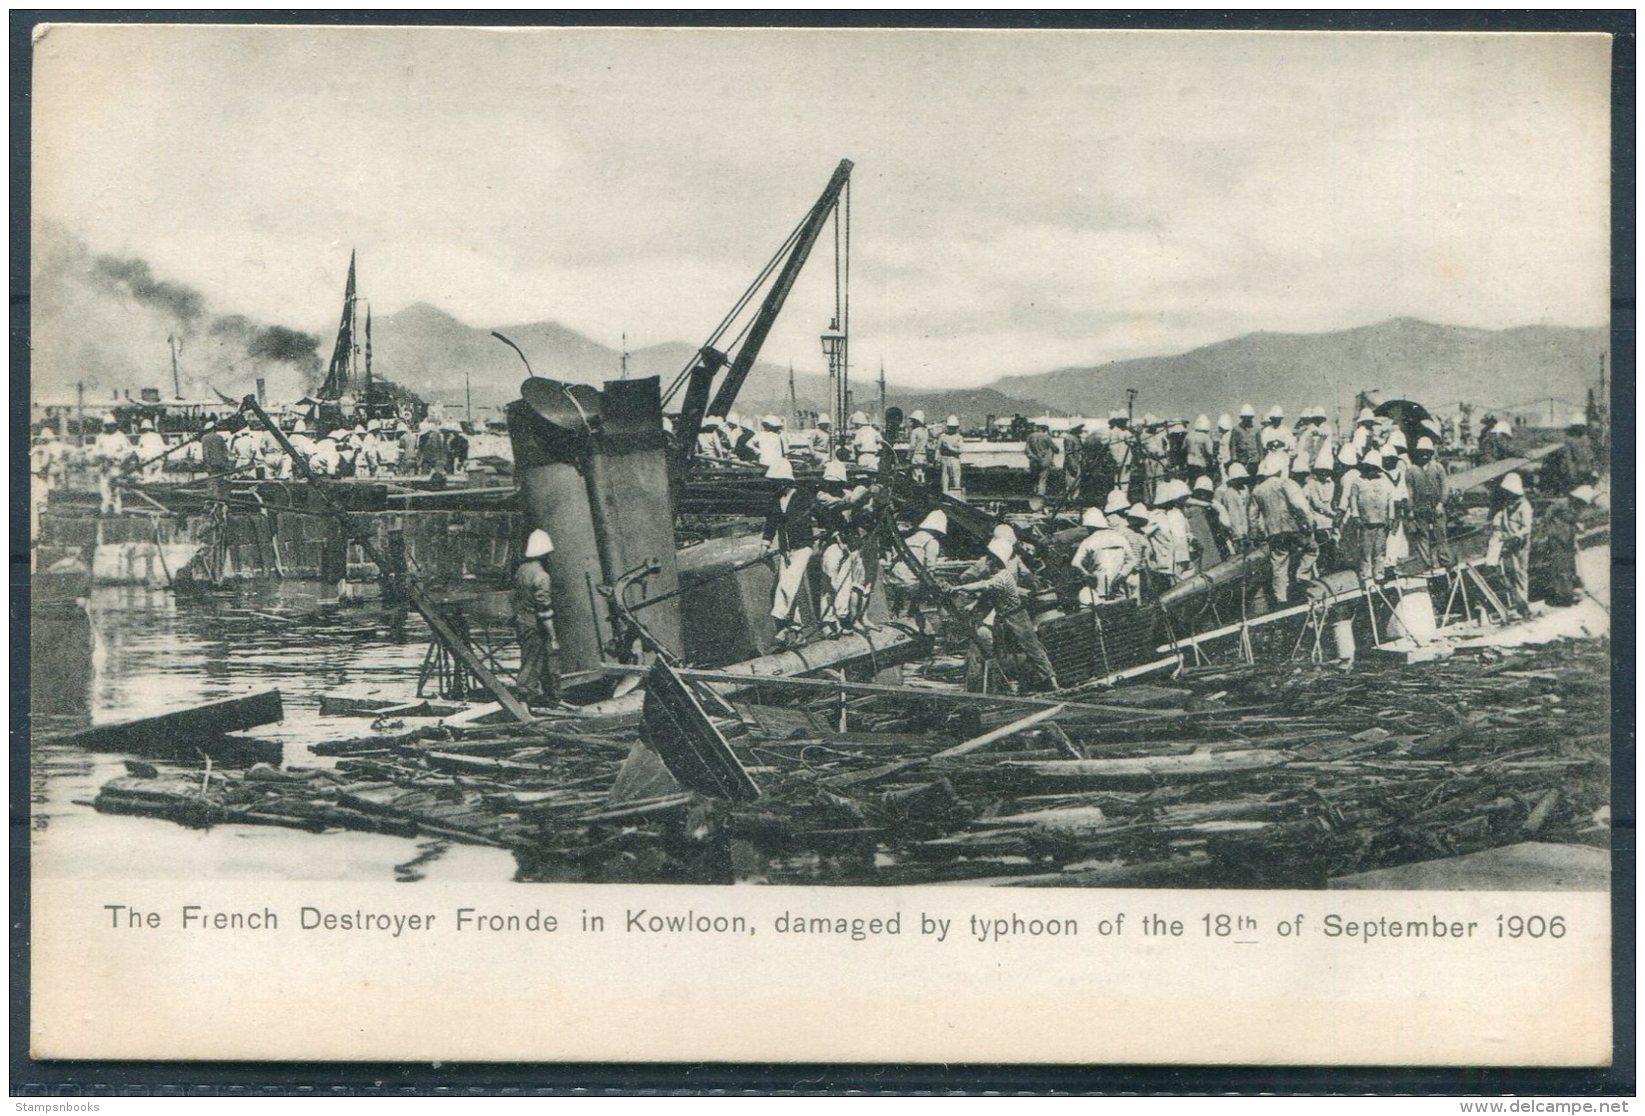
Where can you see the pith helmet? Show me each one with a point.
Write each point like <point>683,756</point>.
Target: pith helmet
<point>953,421</point>
<point>916,416</point>
<point>1001,549</point>
<point>1202,483</point>
<point>824,420</point>
<point>1117,502</point>
<point>936,522</point>
<point>1236,471</point>
<point>1512,483</point>
<point>1225,421</point>
<point>1247,411</point>
<point>1093,517</point>
<point>538,544</point>
<point>834,471</point>
<point>1202,423</point>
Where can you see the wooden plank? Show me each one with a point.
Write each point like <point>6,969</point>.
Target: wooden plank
<point>1146,767</point>
<point>920,693</point>
<point>687,741</point>
<point>1022,724</point>
<point>184,733</point>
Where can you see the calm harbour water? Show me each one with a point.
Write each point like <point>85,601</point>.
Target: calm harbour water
<point>151,652</point>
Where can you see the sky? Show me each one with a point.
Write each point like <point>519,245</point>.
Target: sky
<point>1022,201</point>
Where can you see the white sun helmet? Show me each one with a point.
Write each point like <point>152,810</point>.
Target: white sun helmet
<point>538,544</point>
<point>936,522</point>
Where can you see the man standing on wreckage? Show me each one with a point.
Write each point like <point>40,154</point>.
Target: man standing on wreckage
<point>840,514</point>
<point>789,532</point>
<point>999,579</point>
<point>534,623</point>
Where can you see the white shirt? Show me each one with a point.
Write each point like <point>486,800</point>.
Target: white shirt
<point>769,445</point>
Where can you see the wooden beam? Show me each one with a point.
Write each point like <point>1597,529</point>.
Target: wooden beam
<point>1020,725</point>
<point>961,696</point>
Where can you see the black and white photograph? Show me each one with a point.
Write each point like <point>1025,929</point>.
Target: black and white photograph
<point>1009,459</point>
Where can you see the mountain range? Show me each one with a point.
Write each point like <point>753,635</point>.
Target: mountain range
<point>1506,370</point>
<point>430,351</point>
<point>439,357</point>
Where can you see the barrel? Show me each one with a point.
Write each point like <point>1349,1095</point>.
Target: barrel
<point>1414,616</point>
<point>1342,637</point>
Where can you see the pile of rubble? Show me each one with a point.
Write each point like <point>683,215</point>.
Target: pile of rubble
<point>1252,775</point>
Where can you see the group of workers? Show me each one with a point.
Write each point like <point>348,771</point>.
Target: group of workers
<point>931,456</point>
<point>1370,501</point>
<point>233,446</point>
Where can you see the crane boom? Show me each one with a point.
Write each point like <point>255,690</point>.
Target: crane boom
<point>743,363</point>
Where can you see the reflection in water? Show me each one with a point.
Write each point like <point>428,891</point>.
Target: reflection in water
<point>134,652</point>
<point>60,666</point>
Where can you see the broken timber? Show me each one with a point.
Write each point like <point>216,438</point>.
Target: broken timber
<point>448,636</point>
<point>188,733</point>
<point>690,746</point>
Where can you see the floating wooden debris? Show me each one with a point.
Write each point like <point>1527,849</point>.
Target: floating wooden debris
<point>188,734</point>
<point>1257,775</point>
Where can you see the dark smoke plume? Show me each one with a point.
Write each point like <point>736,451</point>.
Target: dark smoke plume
<point>277,343</point>
<point>106,323</point>
<point>133,278</point>
<point>290,345</point>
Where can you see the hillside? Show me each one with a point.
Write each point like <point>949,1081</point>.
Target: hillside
<point>428,351</point>
<point>1436,364</point>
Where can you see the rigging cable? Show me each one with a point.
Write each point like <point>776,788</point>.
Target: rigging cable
<point>741,304</point>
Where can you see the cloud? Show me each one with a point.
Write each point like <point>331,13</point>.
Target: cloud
<point>1019,198</point>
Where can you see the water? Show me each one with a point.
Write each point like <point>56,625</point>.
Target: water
<point>151,652</point>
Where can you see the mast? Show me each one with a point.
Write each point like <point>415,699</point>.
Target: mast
<point>882,393</point>
<point>793,397</point>
<point>622,363</point>
<point>343,353</point>
<point>176,380</point>
<point>368,355</point>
